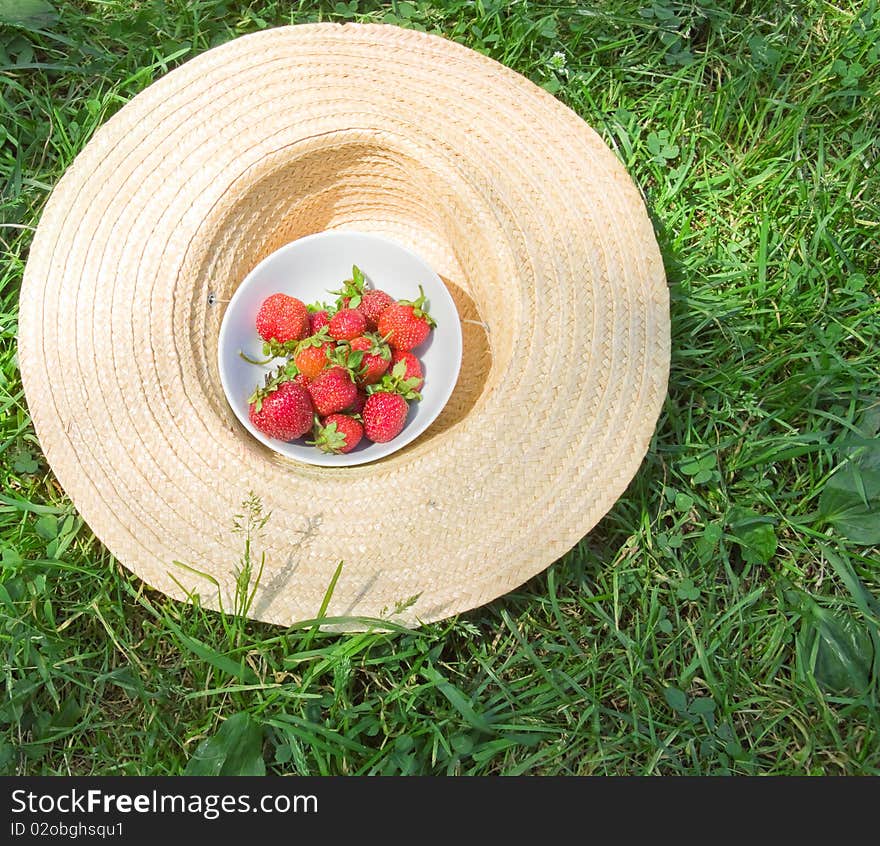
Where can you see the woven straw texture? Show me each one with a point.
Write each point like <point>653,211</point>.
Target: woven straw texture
<point>535,227</point>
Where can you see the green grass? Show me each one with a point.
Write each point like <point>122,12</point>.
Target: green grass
<point>719,619</point>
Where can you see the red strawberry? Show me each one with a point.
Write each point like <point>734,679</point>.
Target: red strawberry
<point>374,361</point>
<point>357,407</point>
<point>384,416</point>
<point>282,318</point>
<point>333,391</point>
<point>406,324</point>
<point>311,356</point>
<point>284,412</point>
<point>413,368</point>
<point>372,304</point>
<point>347,324</point>
<point>337,433</point>
<point>318,320</point>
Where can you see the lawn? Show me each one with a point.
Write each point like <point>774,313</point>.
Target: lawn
<point>722,618</point>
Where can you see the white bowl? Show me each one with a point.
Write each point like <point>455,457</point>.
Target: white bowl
<point>309,269</point>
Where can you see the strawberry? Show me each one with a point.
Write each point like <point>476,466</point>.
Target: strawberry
<point>347,324</point>
<point>357,407</point>
<point>406,324</point>
<point>413,368</point>
<point>284,411</point>
<point>333,390</point>
<point>318,320</point>
<point>337,433</point>
<point>312,360</point>
<point>374,359</point>
<point>311,355</point>
<point>354,294</point>
<point>384,416</point>
<point>372,304</point>
<point>282,318</point>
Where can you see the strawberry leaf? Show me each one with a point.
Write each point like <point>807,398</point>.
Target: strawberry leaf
<point>378,345</point>
<point>351,290</point>
<point>321,337</point>
<point>395,383</point>
<point>274,379</point>
<point>420,308</point>
<point>345,357</point>
<point>328,438</point>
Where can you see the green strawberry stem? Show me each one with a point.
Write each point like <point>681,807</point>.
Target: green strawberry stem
<point>395,383</point>
<point>322,336</point>
<point>419,308</point>
<point>345,357</point>
<point>378,345</point>
<point>327,438</point>
<point>250,360</point>
<point>274,379</point>
<point>352,289</point>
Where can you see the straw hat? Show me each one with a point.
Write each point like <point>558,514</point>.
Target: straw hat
<point>531,221</point>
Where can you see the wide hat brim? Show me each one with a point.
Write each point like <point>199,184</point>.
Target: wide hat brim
<point>531,221</point>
